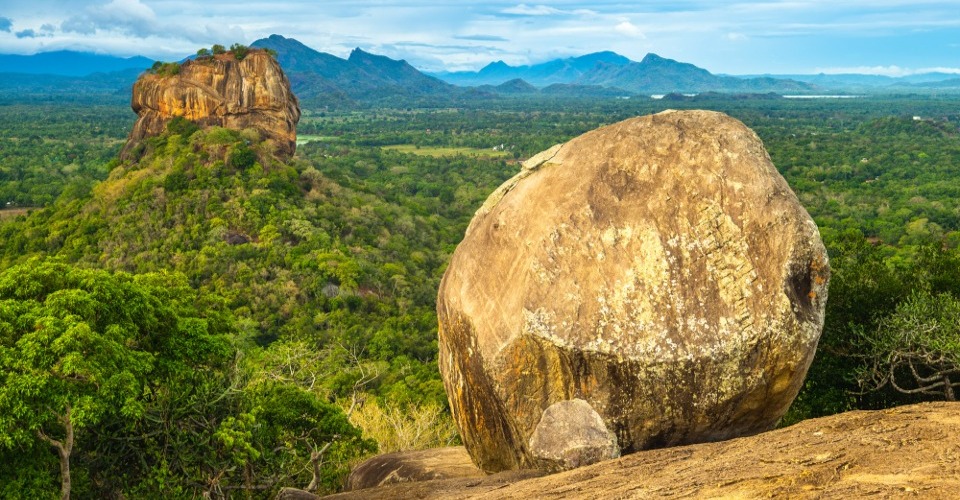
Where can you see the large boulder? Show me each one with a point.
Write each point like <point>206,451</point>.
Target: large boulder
<point>219,91</point>
<point>658,273</point>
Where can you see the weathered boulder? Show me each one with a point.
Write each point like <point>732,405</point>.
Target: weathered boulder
<point>221,91</point>
<point>409,466</point>
<point>658,269</point>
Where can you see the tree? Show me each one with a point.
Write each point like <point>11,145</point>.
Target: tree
<point>218,49</point>
<point>916,350</point>
<point>239,51</point>
<point>78,346</point>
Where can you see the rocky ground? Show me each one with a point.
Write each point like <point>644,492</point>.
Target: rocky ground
<point>910,451</point>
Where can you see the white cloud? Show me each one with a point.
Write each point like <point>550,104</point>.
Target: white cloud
<point>729,36</point>
<point>121,11</point>
<point>545,10</point>
<point>629,29</point>
<point>527,10</point>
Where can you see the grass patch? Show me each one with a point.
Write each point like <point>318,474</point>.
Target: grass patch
<point>436,151</point>
<point>303,139</point>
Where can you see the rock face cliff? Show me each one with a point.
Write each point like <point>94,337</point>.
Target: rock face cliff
<point>221,91</point>
<point>655,280</point>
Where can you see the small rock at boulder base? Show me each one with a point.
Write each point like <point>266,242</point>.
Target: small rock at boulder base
<point>219,91</point>
<point>658,269</point>
<point>415,465</point>
<point>570,435</point>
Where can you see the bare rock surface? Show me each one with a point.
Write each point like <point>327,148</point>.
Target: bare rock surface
<point>408,466</point>
<point>295,494</point>
<point>906,452</point>
<point>658,269</point>
<point>221,91</point>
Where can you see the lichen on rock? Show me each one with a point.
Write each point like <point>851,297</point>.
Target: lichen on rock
<point>219,91</point>
<point>658,269</point>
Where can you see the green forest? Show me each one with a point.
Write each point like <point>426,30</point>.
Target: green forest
<point>209,320</point>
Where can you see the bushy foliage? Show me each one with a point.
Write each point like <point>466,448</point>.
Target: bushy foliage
<point>239,51</point>
<point>165,69</point>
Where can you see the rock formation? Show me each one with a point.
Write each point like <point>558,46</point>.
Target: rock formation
<point>658,270</point>
<point>910,451</point>
<point>221,91</point>
<point>408,466</point>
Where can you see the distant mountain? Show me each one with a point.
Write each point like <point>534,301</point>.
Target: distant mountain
<point>519,87</point>
<point>652,75</point>
<point>363,76</point>
<point>515,86</point>
<point>70,63</point>
<point>114,86</point>
<point>659,75</point>
<point>540,75</point>
<point>853,82</point>
<point>953,84</point>
<point>578,90</point>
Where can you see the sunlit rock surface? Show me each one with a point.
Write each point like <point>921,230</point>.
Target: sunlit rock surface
<point>658,269</point>
<point>221,91</point>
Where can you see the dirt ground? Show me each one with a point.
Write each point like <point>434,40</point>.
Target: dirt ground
<point>906,452</point>
<point>9,213</point>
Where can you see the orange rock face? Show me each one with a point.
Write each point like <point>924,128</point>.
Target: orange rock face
<point>220,91</point>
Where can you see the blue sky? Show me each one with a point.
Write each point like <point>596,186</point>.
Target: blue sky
<point>891,37</point>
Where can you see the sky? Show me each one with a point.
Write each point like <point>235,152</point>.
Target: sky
<point>889,37</point>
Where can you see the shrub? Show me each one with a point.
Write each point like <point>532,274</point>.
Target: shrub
<point>239,51</point>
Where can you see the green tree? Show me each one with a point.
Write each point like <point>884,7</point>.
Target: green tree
<point>915,350</point>
<point>78,347</point>
<point>239,51</point>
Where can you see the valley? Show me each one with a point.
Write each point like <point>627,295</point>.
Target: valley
<point>319,275</point>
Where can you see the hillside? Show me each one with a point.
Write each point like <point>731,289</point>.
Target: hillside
<point>906,451</point>
<point>326,267</point>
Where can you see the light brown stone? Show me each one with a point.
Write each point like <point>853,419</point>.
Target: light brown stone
<point>906,452</point>
<point>220,91</point>
<point>660,269</point>
<point>410,466</point>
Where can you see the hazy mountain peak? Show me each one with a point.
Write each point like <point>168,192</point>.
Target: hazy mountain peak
<point>69,62</point>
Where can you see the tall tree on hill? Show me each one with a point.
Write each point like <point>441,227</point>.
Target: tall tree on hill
<point>77,347</point>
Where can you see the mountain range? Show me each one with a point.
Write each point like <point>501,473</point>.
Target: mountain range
<point>362,76</point>
<point>540,75</point>
<point>69,63</point>
<point>323,79</point>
